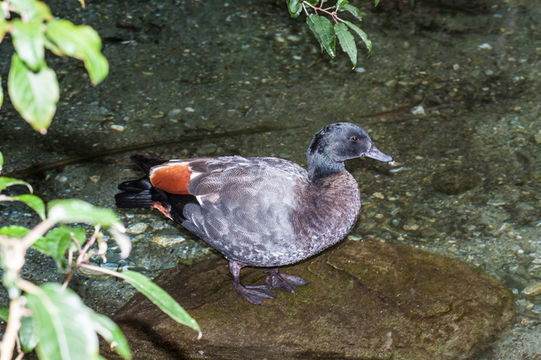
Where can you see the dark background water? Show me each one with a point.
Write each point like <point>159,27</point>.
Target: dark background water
<point>451,90</point>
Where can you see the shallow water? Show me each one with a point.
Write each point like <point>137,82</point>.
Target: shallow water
<point>453,95</point>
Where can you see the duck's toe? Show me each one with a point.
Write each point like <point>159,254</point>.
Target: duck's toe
<point>255,293</point>
<point>281,281</point>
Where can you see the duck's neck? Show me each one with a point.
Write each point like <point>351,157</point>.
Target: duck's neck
<point>321,166</point>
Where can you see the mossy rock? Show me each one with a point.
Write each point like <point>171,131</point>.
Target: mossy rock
<point>364,300</point>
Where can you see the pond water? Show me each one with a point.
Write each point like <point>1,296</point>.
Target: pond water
<point>451,92</point>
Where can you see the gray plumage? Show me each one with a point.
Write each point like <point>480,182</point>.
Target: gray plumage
<point>265,212</point>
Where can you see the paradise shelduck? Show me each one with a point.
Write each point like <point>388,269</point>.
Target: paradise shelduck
<point>260,211</point>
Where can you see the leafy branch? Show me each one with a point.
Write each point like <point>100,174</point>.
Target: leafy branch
<point>326,31</point>
<point>32,85</point>
<point>51,318</point>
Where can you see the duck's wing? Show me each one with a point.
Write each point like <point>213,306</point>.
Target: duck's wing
<point>227,178</point>
<point>243,204</point>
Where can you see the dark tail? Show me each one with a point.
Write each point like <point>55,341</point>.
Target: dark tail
<point>136,194</point>
<point>140,193</point>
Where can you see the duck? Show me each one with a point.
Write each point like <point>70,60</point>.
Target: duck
<point>263,212</point>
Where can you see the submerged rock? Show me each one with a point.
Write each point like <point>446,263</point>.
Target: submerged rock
<point>454,181</point>
<point>364,300</point>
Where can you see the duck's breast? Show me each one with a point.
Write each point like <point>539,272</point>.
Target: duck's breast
<point>326,212</point>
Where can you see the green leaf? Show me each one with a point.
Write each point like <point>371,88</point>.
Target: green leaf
<point>33,94</point>
<point>347,42</point>
<point>1,156</point>
<point>323,31</point>
<point>5,26</point>
<point>62,323</point>
<point>341,2</point>
<point>4,313</point>
<point>112,334</point>
<point>27,335</point>
<point>31,10</point>
<point>81,42</point>
<point>34,202</point>
<point>376,2</point>
<point>14,231</point>
<point>294,7</point>
<point>57,241</point>
<point>361,34</point>
<point>52,46</point>
<point>75,210</point>
<point>70,211</point>
<point>160,298</point>
<point>352,10</point>
<point>28,40</point>
<point>6,182</point>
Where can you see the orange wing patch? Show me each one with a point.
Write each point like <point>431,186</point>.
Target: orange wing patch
<point>173,178</point>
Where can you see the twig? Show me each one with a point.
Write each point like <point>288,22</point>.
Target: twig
<point>20,352</point>
<point>70,257</point>
<point>70,262</point>
<point>332,14</point>
<point>83,256</point>
<point>16,312</point>
<point>68,278</point>
<point>14,323</point>
<point>27,286</point>
<point>79,248</point>
<point>102,270</point>
<point>36,232</point>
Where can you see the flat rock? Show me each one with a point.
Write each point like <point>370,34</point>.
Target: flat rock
<point>364,300</point>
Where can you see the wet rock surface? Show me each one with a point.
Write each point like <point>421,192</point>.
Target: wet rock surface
<point>364,300</point>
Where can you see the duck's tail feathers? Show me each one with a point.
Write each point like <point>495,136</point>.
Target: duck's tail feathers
<point>138,194</point>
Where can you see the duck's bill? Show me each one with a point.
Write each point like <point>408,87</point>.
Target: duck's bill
<point>376,154</point>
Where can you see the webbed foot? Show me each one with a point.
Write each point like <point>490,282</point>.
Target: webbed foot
<point>253,293</point>
<point>277,280</point>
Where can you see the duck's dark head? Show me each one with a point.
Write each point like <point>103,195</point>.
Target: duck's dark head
<point>337,143</point>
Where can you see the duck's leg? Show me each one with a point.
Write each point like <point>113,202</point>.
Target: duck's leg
<point>277,280</point>
<point>253,293</point>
